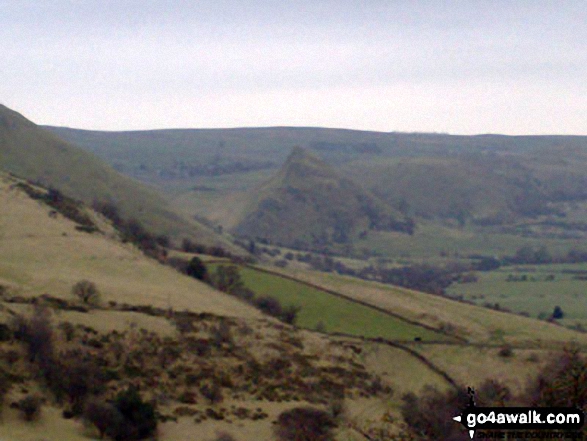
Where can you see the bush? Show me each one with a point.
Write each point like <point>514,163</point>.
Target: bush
<point>87,292</point>
<point>290,314</point>
<point>561,383</point>
<point>227,278</point>
<point>223,436</point>
<point>197,269</point>
<point>30,406</point>
<point>429,416</point>
<point>269,305</point>
<point>37,333</point>
<point>76,376</point>
<point>305,424</point>
<point>139,418</point>
<point>506,351</point>
<point>105,417</point>
<point>213,393</point>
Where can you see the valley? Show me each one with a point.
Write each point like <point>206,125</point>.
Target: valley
<point>349,275</point>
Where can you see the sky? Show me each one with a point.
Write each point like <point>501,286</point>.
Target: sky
<point>460,67</point>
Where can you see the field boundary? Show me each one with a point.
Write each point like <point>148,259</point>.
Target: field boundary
<point>350,299</point>
<point>410,351</point>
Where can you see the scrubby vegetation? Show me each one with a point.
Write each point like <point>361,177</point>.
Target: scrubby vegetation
<point>133,231</point>
<point>67,206</point>
<point>305,423</point>
<point>561,383</point>
<point>211,359</point>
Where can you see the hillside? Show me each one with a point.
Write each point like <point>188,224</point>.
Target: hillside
<point>463,188</point>
<point>33,153</point>
<point>487,179</point>
<point>175,338</point>
<point>307,203</point>
<point>41,252</point>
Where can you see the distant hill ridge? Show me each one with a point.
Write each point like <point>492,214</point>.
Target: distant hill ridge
<point>488,179</point>
<point>307,202</point>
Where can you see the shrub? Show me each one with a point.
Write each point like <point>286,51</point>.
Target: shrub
<point>227,278</point>
<point>562,382</point>
<point>104,416</point>
<point>429,416</point>
<point>213,393</point>
<point>37,333</point>
<point>197,269</point>
<point>30,406</point>
<point>76,376</point>
<point>290,314</point>
<point>87,292</point>
<point>269,305</point>
<point>506,351</point>
<point>139,418</point>
<point>223,436</point>
<point>305,424</point>
<point>557,313</point>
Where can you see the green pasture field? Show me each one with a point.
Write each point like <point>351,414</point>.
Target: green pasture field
<point>430,240</point>
<point>535,289</point>
<point>336,314</point>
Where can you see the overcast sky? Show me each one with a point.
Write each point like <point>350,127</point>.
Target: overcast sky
<point>463,67</point>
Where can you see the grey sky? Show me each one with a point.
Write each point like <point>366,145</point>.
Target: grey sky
<point>514,67</point>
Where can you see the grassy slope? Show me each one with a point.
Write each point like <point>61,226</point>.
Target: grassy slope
<point>40,254</point>
<point>308,200</point>
<point>36,257</point>
<point>336,314</point>
<point>434,186</point>
<point>476,324</point>
<point>36,154</point>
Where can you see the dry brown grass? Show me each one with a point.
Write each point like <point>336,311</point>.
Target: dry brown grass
<point>41,254</point>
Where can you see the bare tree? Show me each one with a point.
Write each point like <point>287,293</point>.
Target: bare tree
<point>87,292</point>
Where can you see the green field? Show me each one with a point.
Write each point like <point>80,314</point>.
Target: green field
<point>534,289</point>
<point>335,314</point>
<point>432,240</point>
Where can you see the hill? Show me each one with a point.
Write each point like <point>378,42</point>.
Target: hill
<point>482,178</point>
<point>43,252</point>
<point>212,363</point>
<point>307,203</point>
<point>173,337</point>
<point>33,153</point>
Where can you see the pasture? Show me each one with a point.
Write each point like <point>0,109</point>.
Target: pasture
<point>332,313</point>
<point>533,289</point>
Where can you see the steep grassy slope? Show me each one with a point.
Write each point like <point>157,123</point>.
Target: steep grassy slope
<point>308,202</point>
<point>440,187</point>
<point>33,153</point>
<point>46,254</point>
